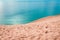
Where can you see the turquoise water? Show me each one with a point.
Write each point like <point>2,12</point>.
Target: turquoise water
<point>25,11</point>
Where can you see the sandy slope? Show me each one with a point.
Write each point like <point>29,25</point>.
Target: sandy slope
<point>47,28</point>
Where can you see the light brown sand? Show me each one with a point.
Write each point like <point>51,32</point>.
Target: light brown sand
<point>47,28</point>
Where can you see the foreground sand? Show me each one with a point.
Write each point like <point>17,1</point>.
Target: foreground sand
<point>47,28</point>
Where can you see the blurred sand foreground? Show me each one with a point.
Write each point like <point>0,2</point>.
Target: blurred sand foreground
<point>47,28</point>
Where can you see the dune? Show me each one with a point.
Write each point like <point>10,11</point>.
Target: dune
<point>47,28</point>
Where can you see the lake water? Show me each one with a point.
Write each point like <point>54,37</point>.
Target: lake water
<point>25,11</point>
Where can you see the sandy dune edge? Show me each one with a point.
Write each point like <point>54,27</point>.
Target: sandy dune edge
<point>47,28</point>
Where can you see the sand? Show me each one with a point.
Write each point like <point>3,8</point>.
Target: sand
<point>47,28</point>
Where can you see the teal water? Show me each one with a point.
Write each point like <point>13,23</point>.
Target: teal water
<point>25,11</point>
